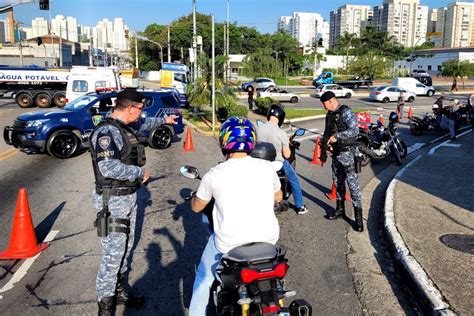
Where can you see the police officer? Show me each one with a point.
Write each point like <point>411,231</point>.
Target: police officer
<point>118,162</point>
<point>341,135</point>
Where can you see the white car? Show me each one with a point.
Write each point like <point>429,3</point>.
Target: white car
<point>338,90</point>
<point>279,94</point>
<point>387,94</point>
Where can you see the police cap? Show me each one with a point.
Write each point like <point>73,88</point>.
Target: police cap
<point>130,94</point>
<point>328,95</point>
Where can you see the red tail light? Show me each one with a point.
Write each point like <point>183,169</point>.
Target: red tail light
<point>270,309</point>
<point>249,275</point>
<point>378,92</point>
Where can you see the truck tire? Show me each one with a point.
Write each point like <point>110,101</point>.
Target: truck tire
<point>355,86</point>
<point>43,100</point>
<point>24,100</point>
<point>59,99</point>
<point>62,144</point>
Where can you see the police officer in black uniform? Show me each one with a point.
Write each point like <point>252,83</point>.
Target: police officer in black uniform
<point>118,161</point>
<point>341,135</point>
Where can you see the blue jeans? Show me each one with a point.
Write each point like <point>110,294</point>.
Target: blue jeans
<point>294,182</point>
<point>452,128</point>
<point>205,276</point>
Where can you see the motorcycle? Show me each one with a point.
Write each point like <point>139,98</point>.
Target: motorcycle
<point>378,142</point>
<point>429,122</point>
<point>267,151</point>
<point>250,279</point>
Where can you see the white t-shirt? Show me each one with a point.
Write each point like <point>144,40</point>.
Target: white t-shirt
<point>244,190</point>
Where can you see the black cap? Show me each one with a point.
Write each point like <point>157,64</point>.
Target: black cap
<point>328,95</point>
<point>130,94</point>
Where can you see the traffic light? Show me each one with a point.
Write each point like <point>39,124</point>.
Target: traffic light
<point>320,42</point>
<point>126,33</point>
<point>39,41</point>
<point>44,4</point>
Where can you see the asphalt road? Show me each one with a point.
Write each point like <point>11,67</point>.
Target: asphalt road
<point>169,236</point>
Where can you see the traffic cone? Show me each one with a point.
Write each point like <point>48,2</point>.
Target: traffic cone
<point>317,153</point>
<point>332,195</point>
<point>410,113</point>
<point>23,242</point>
<point>381,119</point>
<point>348,196</point>
<point>188,142</point>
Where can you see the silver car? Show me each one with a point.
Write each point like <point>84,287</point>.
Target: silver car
<point>260,84</point>
<point>279,94</point>
<point>387,94</point>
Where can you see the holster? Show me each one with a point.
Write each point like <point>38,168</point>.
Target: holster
<point>104,223</point>
<point>358,164</point>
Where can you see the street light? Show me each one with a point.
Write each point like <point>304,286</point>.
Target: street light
<point>143,38</point>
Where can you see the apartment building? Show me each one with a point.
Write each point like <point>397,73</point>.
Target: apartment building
<point>348,18</point>
<point>406,20</point>
<point>456,24</point>
<point>303,26</point>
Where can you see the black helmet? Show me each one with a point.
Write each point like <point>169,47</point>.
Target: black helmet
<point>393,117</point>
<point>264,151</point>
<point>278,112</point>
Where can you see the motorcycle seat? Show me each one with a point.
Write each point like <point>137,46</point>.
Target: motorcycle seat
<point>252,253</point>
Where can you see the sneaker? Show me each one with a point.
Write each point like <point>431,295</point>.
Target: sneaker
<point>301,210</point>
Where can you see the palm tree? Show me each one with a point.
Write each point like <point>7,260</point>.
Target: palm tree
<point>346,41</point>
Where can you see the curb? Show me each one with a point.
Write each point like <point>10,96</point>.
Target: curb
<point>431,297</point>
<point>197,129</point>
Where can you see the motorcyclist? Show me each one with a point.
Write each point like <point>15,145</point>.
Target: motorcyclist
<point>270,132</point>
<point>244,189</point>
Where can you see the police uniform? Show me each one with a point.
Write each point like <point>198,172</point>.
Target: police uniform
<point>117,160</point>
<point>342,123</point>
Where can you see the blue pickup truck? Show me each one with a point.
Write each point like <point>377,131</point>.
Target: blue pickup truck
<point>327,77</point>
<point>64,133</point>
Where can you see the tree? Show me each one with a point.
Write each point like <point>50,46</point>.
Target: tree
<point>456,68</point>
<point>369,65</point>
<point>346,42</point>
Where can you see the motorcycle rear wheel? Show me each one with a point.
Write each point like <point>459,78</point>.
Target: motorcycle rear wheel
<point>416,129</point>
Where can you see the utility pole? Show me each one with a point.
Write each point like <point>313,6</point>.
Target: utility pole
<point>227,72</point>
<point>60,47</point>
<point>91,62</point>
<point>224,51</point>
<point>213,80</point>
<point>194,41</point>
<point>51,35</point>
<point>136,52</point>
<point>169,47</point>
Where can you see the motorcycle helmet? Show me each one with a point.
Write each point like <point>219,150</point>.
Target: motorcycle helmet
<point>237,134</point>
<point>393,117</point>
<point>278,112</point>
<point>264,151</point>
<point>435,106</point>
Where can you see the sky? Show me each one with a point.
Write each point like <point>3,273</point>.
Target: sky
<point>137,14</point>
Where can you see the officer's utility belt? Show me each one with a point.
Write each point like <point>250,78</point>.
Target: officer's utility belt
<point>112,225</point>
<point>117,191</point>
<point>343,149</point>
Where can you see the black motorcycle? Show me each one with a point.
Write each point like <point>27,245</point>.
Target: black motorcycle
<point>267,151</point>
<point>250,279</point>
<point>378,142</point>
<point>429,122</point>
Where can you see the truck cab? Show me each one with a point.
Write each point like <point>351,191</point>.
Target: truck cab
<point>176,76</point>
<point>325,77</point>
<point>64,133</point>
<point>83,80</point>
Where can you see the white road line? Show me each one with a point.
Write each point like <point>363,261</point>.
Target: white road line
<point>25,266</point>
<point>443,144</point>
<point>415,147</point>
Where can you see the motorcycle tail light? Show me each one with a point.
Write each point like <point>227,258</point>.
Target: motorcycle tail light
<point>250,275</point>
<point>270,309</point>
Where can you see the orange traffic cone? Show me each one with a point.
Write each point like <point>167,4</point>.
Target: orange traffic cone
<point>317,152</point>
<point>381,119</point>
<point>332,195</point>
<point>347,197</point>
<point>188,143</point>
<point>23,242</point>
<point>410,113</point>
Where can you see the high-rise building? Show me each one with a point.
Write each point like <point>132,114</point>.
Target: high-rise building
<point>120,43</point>
<point>303,26</point>
<point>406,20</point>
<point>59,26</point>
<point>102,34</point>
<point>432,18</point>
<point>456,24</point>
<point>72,29</point>
<point>348,18</point>
<point>39,27</point>
<point>2,31</point>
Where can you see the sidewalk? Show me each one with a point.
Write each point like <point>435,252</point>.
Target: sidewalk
<point>430,222</point>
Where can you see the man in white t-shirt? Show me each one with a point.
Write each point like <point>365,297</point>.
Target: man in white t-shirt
<point>244,189</point>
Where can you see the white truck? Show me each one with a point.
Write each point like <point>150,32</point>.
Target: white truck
<point>34,86</point>
<point>413,85</point>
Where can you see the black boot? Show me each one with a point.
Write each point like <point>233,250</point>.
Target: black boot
<point>339,212</point>
<point>107,306</point>
<point>124,295</point>
<point>359,224</point>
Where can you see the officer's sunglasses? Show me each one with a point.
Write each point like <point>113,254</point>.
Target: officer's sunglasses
<point>138,107</point>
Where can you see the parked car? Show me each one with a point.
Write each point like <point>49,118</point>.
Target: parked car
<point>387,94</point>
<point>338,90</point>
<point>279,94</point>
<point>413,85</point>
<point>260,84</point>
<point>419,73</point>
<point>64,133</point>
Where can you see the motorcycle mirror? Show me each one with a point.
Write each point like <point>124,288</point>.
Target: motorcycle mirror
<point>300,132</point>
<point>190,172</point>
<point>259,123</point>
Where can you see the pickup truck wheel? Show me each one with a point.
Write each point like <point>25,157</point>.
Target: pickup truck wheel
<point>386,100</point>
<point>160,138</point>
<point>43,100</point>
<point>24,100</point>
<point>59,99</point>
<point>348,95</point>
<point>294,100</point>
<point>62,144</point>
<point>430,93</point>
<point>355,86</point>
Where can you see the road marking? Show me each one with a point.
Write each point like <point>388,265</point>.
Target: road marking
<point>25,266</point>
<point>415,147</point>
<point>313,132</point>
<point>4,155</point>
<point>445,144</point>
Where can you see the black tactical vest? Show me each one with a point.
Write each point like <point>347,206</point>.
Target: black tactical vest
<point>338,125</point>
<point>132,153</point>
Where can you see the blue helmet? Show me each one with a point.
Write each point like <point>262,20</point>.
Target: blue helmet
<point>237,134</point>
